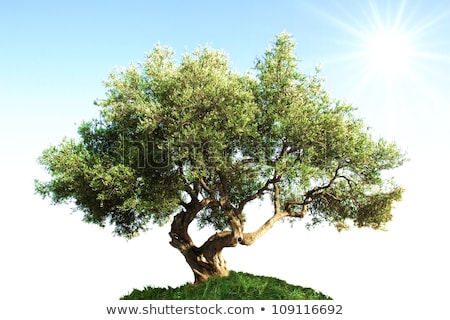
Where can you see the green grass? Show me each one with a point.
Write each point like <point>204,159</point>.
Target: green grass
<point>236,286</point>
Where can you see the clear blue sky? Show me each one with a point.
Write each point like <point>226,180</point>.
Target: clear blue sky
<point>391,59</point>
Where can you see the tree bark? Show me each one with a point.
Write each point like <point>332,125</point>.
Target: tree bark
<point>204,266</point>
<point>205,261</point>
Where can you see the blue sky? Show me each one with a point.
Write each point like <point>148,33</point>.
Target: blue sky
<point>54,56</point>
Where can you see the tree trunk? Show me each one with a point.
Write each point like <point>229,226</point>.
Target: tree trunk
<point>204,266</point>
<point>205,261</point>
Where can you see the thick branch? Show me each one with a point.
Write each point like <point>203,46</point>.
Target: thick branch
<point>234,215</point>
<point>191,191</point>
<point>250,237</point>
<point>276,198</point>
<point>217,242</point>
<point>223,188</point>
<point>197,187</point>
<point>179,235</point>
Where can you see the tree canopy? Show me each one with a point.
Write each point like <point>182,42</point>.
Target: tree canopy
<point>197,141</point>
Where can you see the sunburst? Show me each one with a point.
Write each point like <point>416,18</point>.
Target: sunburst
<point>388,52</point>
<point>385,58</point>
<point>389,41</point>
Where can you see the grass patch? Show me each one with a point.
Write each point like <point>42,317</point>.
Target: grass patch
<point>236,286</point>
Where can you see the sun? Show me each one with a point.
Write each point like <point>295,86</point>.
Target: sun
<point>388,52</point>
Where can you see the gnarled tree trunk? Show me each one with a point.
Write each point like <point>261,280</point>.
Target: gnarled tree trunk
<point>205,261</point>
<point>205,264</point>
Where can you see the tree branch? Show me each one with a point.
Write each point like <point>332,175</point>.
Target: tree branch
<point>197,187</point>
<point>250,237</point>
<point>179,235</point>
<point>223,188</point>
<point>276,198</point>
<point>297,214</point>
<point>193,189</point>
<point>313,194</point>
<point>192,192</point>
<point>310,193</point>
<point>217,242</point>
<point>205,186</point>
<point>260,192</point>
<point>349,181</point>
<point>244,162</point>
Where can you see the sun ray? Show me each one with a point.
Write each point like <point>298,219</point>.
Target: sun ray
<point>389,58</point>
<point>397,32</point>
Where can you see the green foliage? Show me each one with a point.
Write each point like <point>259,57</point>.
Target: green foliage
<point>236,286</point>
<point>169,132</point>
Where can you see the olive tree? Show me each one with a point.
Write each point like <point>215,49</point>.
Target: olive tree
<point>195,141</point>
